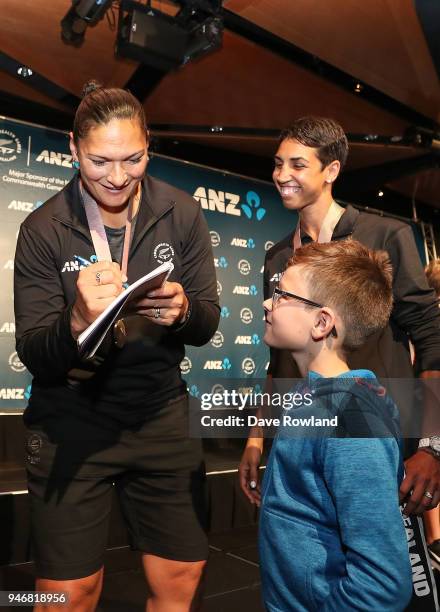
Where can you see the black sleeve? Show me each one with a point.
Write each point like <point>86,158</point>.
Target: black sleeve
<point>43,339</point>
<point>266,294</point>
<point>415,304</point>
<point>266,275</point>
<point>199,282</point>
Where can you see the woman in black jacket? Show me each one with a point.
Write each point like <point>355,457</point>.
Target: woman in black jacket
<point>123,418</point>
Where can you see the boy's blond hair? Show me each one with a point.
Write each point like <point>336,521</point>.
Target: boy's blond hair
<point>353,280</point>
<point>432,271</point>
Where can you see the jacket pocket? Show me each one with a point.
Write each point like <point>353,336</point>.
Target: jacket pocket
<point>286,564</point>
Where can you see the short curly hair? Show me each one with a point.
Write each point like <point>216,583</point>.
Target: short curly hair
<point>321,133</point>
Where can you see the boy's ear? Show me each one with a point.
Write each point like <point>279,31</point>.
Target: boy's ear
<point>324,323</point>
<point>332,171</point>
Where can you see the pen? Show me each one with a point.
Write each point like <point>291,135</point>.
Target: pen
<point>82,261</point>
<point>86,262</point>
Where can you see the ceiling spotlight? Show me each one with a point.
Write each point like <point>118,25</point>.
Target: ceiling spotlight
<point>24,72</point>
<point>82,13</point>
<point>204,37</point>
<point>380,194</point>
<point>358,87</point>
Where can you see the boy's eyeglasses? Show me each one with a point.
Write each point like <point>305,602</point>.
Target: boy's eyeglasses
<point>279,293</point>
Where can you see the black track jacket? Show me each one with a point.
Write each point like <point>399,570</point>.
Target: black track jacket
<point>169,224</point>
<point>415,313</point>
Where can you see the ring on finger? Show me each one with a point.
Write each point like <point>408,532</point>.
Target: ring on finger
<point>98,278</point>
<point>156,312</point>
<point>428,494</point>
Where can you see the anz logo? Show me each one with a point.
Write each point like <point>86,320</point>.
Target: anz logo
<point>218,201</point>
<point>8,393</point>
<point>254,339</point>
<point>220,262</point>
<point>229,203</point>
<point>55,159</point>
<point>194,391</point>
<point>217,364</point>
<point>276,277</point>
<point>225,312</point>
<point>7,328</point>
<point>24,206</point>
<point>245,290</point>
<point>12,394</point>
<point>243,243</point>
<point>77,264</point>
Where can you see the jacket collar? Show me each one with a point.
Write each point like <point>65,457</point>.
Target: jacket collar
<point>156,201</point>
<point>346,224</point>
<point>344,227</point>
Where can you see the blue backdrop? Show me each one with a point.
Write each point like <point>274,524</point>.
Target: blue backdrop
<point>245,217</point>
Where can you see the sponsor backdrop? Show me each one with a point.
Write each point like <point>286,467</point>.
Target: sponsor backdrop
<point>245,218</point>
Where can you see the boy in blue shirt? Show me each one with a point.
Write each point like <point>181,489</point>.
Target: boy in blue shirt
<point>331,533</point>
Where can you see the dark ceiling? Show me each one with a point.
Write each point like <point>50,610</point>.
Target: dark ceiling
<point>280,59</point>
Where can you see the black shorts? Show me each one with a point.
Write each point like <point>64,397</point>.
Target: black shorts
<point>158,474</point>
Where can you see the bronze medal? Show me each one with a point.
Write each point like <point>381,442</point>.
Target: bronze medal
<point>119,333</point>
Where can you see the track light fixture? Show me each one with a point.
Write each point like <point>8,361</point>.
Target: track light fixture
<point>154,38</point>
<point>82,13</point>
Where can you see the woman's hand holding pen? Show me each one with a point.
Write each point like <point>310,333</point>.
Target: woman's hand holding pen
<point>164,306</point>
<point>97,286</point>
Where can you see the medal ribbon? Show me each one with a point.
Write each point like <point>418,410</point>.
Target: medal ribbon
<point>331,219</point>
<point>97,230</point>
